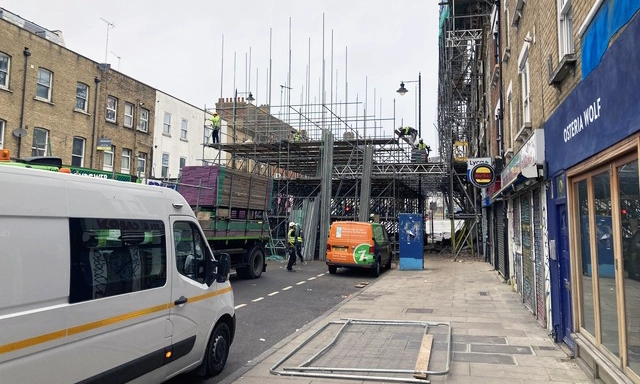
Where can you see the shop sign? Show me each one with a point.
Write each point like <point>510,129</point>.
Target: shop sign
<point>531,153</point>
<point>482,175</point>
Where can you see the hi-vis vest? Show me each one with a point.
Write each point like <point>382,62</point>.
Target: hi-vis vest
<point>291,236</point>
<point>215,122</point>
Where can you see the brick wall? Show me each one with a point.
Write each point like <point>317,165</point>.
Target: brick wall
<point>539,25</point>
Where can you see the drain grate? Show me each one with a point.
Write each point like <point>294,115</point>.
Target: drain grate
<point>483,293</point>
<point>419,310</point>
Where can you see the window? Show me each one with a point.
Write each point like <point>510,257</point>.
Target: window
<point>40,141</point>
<point>77,153</point>
<point>166,127</point>
<point>2,125</point>
<point>126,161</point>
<point>128,115</point>
<point>165,165</point>
<point>525,85</point>
<point>144,120</point>
<point>506,18</point>
<point>107,163</point>
<point>565,28</point>
<point>183,130</point>
<point>183,162</point>
<point>43,88</point>
<point>4,71</point>
<point>82,93</point>
<point>142,164</point>
<point>112,109</point>
<point>190,250</point>
<point>108,260</point>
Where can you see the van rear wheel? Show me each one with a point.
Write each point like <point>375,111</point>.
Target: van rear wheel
<point>333,269</point>
<point>217,352</point>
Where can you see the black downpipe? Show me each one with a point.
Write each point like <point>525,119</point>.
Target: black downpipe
<point>26,54</point>
<point>500,138</point>
<point>95,116</point>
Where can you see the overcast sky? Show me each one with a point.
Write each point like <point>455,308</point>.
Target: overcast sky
<point>187,49</point>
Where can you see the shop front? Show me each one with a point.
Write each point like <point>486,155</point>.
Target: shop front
<point>523,193</point>
<point>592,143</point>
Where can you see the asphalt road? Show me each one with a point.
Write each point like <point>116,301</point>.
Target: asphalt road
<point>278,304</point>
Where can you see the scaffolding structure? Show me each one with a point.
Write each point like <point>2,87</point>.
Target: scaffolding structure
<point>461,100</point>
<point>329,163</point>
<point>325,166</point>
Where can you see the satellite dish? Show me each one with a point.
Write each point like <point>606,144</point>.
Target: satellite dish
<point>19,132</point>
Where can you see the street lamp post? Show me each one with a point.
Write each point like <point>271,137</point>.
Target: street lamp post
<point>402,91</point>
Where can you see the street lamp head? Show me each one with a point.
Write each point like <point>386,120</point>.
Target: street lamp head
<point>250,98</point>
<point>402,89</point>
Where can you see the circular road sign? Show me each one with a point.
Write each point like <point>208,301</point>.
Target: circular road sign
<point>482,175</point>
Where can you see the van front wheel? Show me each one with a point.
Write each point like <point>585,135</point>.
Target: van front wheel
<point>217,352</point>
<point>377,268</point>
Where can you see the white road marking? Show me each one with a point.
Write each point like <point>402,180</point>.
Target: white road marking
<point>287,288</point>
<point>258,299</point>
<point>322,274</point>
<point>311,278</point>
<point>240,306</point>
<point>273,293</point>
<point>300,282</point>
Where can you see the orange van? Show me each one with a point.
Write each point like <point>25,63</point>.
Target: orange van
<point>354,244</point>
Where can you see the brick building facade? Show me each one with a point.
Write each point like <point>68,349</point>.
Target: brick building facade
<point>59,107</point>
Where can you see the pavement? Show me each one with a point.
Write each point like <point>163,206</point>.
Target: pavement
<point>455,321</point>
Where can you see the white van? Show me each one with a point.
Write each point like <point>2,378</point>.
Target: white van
<point>106,281</point>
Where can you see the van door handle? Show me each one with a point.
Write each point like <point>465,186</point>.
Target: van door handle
<point>181,300</point>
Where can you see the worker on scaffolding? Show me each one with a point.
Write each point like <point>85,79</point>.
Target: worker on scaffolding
<point>409,134</point>
<point>424,149</point>
<point>215,127</point>
<point>297,135</point>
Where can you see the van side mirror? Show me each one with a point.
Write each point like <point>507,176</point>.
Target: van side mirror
<point>218,270</point>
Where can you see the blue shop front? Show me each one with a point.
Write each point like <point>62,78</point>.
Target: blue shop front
<point>592,143</point>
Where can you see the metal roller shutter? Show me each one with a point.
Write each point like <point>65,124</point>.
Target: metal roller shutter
<point>500,227</point>
<point>537,244</point>
<point>528,260</point>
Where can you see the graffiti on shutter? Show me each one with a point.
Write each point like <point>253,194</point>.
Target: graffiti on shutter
<point>528,260</point>
<point>500,226</point>
<point>539,255</point>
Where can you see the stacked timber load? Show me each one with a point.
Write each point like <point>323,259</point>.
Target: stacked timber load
<point>214,186</point>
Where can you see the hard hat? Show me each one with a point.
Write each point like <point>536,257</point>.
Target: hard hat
<point>421,140</point>
<point>215,113</point>
<point>292,224</point>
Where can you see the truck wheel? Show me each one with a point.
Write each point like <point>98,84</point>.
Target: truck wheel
<point>215,357</point>
<point>255,260</point>
<point>333,269</point>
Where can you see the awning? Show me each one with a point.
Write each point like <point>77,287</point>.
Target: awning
<point>533,172</point>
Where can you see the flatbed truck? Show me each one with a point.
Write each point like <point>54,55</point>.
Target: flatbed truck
<point>231,206</point>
